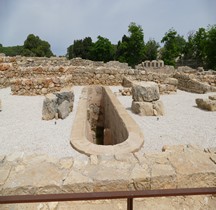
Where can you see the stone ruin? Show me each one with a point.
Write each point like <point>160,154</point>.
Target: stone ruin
<point>110,166</point>
<point>153,64</point>
<point>146,99</point>
<point>40,76</point>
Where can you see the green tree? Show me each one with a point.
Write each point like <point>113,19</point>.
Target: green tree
<point>11,50</point>
<point>131,48</point>
<point>102,50</point>
<point>34,46</point>
<point>80,48</point>
<point>211,48</point>
<point>151,50</point>
<point>173,49</point>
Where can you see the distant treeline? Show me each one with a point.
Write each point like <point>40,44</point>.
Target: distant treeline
<point>198,48</point>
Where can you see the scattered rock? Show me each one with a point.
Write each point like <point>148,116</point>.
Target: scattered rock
<point>212,97</point>
<point>125,91</point>
<point>145,91</point>
<point>206,104</point>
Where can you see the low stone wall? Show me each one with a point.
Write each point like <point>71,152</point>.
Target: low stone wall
<point>165,83</point>
<point>176,167</point>
<point>30,76</point>
<point>190,84</point>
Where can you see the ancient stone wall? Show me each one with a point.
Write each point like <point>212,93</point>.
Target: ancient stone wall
<point>192,83</point>
<point>36,76</point>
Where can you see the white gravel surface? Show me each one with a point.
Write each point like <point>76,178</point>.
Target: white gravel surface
<point>23,131</point>
<point>183,122</point>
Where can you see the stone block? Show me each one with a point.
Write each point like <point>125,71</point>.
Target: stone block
<point>142,108</point>
<point>158,108</point>
<point>155,108</point>
<point>145,91</point>
<point>63,109</point>
<point>0,106</point>
<point>212,97</point>
<point>49,107</point>
<point>171,81</point>
<point>206,104</point>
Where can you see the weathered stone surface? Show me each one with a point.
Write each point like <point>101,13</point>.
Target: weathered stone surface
<point>142,108</point>
<point>58,105</point>
<point>158,108</point>
<point>49,107</point>
<point>145,91</point>
<point>206,104</point>
<point>193,167</point>
<point>127,82</point>
<point>171,81</point>
<point>65,95</point>
<point>0,105</point>
<point>155,108</point>
<point>212,97</point>
<point>63,109</point>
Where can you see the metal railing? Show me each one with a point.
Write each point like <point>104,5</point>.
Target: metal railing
<point>130,195</point>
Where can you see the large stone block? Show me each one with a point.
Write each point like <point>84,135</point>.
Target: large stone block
<point>155,108</point>
<point>0,106</point>
<point>145,91</point>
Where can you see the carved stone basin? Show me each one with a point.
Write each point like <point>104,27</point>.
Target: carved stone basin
<point>103,126</point>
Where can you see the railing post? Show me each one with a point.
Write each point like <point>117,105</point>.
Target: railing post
<point>130,204</point>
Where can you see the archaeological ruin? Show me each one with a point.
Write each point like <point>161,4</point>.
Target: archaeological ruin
<point>104,131</point>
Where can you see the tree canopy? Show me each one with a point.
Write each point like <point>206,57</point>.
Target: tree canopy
<point>102,50</point>
<point>131,48</point>
<point>34,46</point>
<point>80,48</point>
<point>151,50</point>
<point>174,46</point>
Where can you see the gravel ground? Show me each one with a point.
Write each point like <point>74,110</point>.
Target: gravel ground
<point>23,130</point>
<point>183,122</point>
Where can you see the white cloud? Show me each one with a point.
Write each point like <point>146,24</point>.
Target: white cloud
<point>60,22</point>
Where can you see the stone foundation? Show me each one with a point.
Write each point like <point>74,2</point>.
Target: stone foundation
<point>176,167</point>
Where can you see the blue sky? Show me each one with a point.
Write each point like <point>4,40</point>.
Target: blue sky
<point>60,22</point>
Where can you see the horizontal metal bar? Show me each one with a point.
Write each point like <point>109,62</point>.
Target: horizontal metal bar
<point>105,195</point>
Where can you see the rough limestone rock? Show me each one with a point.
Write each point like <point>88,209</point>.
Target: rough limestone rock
<point>155,108</point>
<point>145,91</point>
<point>206,104</point>
<point>63,109</point>
<point>212,97</point>
<point>49,107</point>
<point>58,105</point>
<point>67,95</point>
<point>0,106</point>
